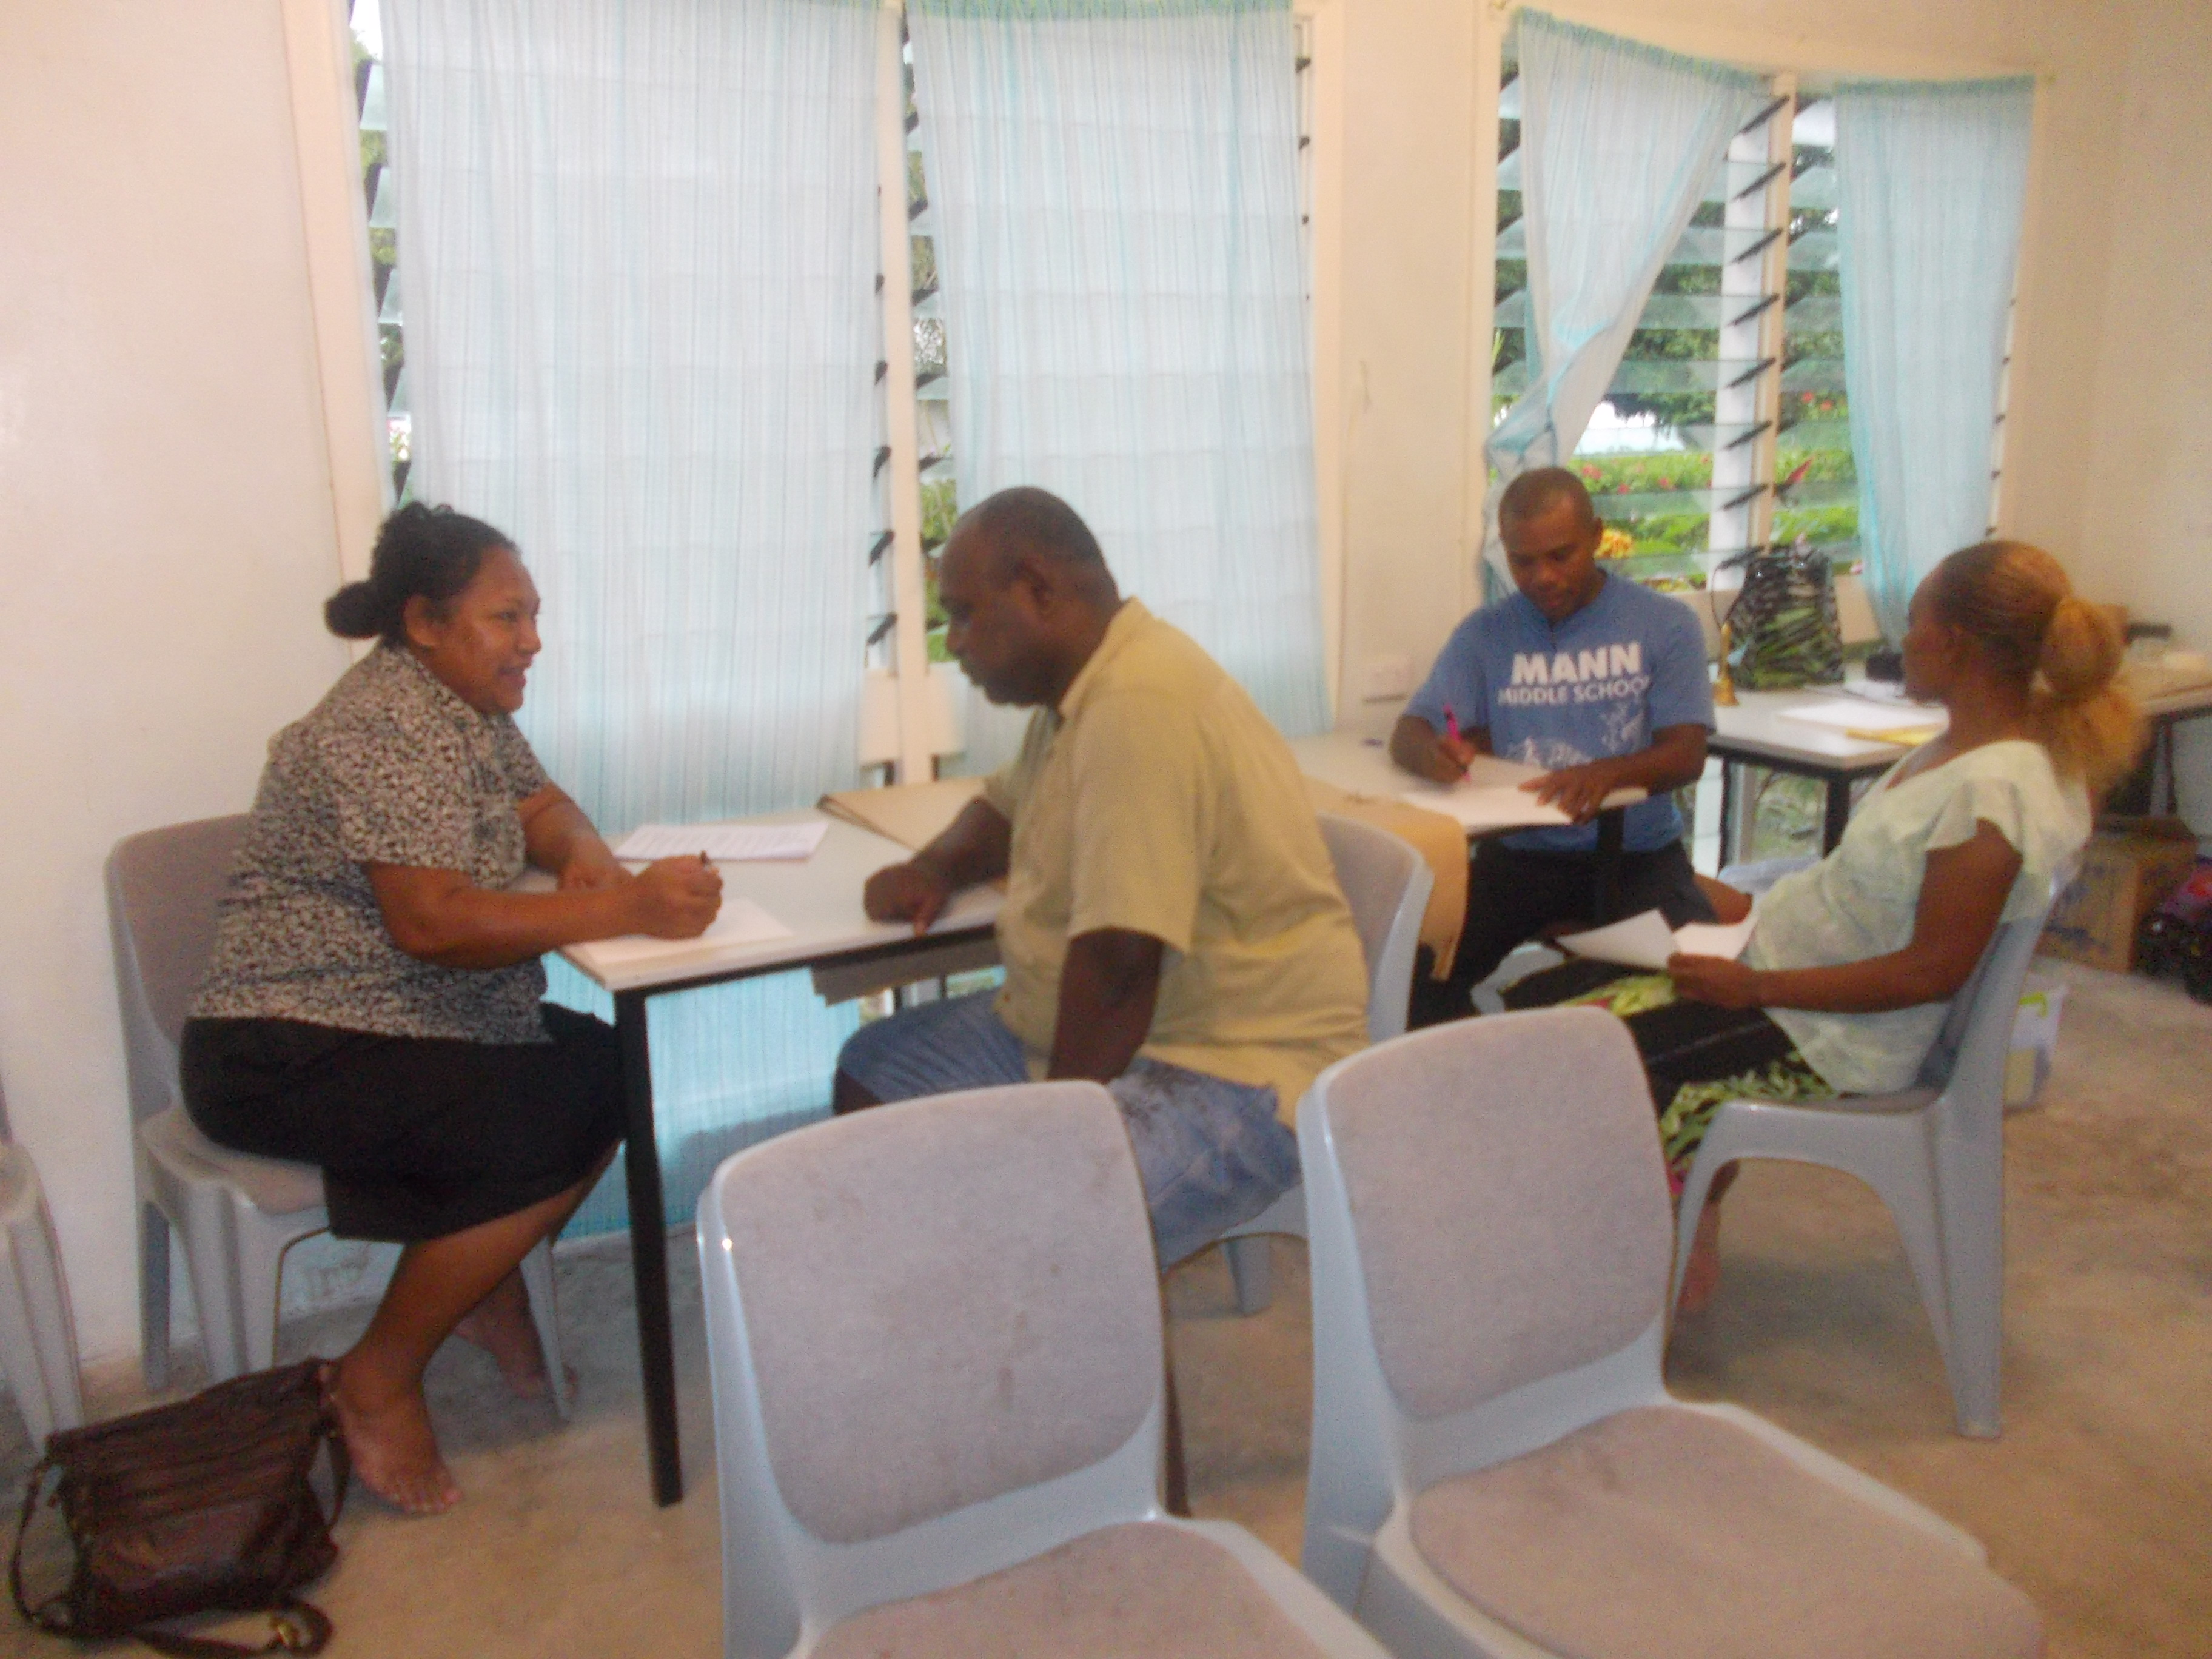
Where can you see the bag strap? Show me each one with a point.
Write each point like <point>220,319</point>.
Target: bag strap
<point>33,1485</point>
<point>296,1626</point>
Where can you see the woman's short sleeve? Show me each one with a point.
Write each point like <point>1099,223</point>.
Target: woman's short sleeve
<point>1999,801</point>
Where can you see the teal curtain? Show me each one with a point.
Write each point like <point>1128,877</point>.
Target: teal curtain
<point>640,248</point>
<point>1932,183</point>
<point>1115,187</point>
<point>1618,140</point>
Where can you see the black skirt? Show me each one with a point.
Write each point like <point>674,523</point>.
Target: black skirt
<point>417,1137</point>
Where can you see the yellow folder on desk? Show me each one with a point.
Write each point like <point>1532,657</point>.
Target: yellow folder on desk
<point>912,814</point>
<point>1905,736</point>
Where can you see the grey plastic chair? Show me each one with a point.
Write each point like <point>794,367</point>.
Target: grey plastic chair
<point>235,1214</point>
<point>1933,1153</point>
<point>1387,883</point>
<point>1497,1467</point>
<point>38,1339</point>
<point>934,1333</point>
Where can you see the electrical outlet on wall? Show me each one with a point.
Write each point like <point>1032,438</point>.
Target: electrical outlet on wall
<point>1387,677</point>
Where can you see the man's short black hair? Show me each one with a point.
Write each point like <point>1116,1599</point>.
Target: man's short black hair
<point>1027,519</point>
<point>1542,490</point>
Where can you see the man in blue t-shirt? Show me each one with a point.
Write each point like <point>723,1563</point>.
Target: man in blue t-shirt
<point>1597,679</point>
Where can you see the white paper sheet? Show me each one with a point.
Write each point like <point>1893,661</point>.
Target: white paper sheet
<point>1484,807</point>
<point>739,921</point>
<point>725,843</point>
<point>1859,714</point>
<point>1645,941</point>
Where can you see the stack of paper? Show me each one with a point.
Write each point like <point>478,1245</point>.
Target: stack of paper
<point>1490,797</point>
<point>725,843</point>
<point>1646,941</point>
<point>739,922</point>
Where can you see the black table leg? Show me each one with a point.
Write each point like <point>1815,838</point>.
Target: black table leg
<point>2166,760</point>
<point>1176,1498</point>
<point>1839,814</point>
<point>1727,810</point>
<point>1608,897</point>
<point>648,1247</point>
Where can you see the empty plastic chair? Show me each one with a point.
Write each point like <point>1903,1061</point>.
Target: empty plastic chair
<point>1497,1467</point>
<point>935,1340</point>
<point>37,1339</point>
<point>235,1214</point>
<point>1933,1154</point>
<point>1386,883</point>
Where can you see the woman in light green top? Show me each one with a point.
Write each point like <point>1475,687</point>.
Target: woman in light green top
<point>1853,963</point>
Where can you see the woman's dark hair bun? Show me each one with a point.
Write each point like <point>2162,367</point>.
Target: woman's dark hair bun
<point>430,552</point>
<point>352,612</point>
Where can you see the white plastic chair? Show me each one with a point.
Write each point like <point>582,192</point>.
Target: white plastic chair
<point>934,1335</point>
<point>1935,1155</point>
<point>38,1339</point>
<point>1497,1465</point>
<point>236,1214</point>
<point>1386,883</point>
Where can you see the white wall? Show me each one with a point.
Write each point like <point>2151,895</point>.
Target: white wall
<point>2146,535</point>
<point>165,524</point>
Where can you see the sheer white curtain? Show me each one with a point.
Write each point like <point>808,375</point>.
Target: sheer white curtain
<point>1114,185</point>
<point>1932,183</point>
<point>1618,140</point>
<point>640,248</point>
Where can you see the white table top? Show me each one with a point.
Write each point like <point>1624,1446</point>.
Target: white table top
<point>1759,725</point>
<point>817,898</point>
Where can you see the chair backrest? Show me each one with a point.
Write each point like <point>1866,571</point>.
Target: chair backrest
<point>1967,1061</point>
<point>1386,883</point>
<point>934,1332</point>
<point>163,886</point>
<point>1489,1237</point>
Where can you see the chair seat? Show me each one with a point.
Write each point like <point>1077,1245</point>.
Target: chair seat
<point>273,1186</point>
<point>1663,1532</point>
<point>1141,1589</point>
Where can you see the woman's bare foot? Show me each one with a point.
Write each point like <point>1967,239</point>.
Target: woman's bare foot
<point>511,1343</point>
<point>390,1441</point>
<point>1703,1275</point>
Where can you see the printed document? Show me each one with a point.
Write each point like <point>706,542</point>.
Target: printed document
<point>1646,941</point>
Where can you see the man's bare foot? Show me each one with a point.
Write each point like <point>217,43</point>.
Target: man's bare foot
<point>389,1438</point>
<point>1703,1275</point>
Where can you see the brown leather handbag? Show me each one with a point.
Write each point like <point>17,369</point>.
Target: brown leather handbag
<point>206,1505</point>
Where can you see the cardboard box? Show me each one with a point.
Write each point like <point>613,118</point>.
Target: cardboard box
<point>2126,870</point>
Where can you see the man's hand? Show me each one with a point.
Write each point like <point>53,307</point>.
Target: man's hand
<point>675,899</point>
<point>1577,791</point>
<point>1721,980</point>
<point>1428,753</point>
<point>916,892</point>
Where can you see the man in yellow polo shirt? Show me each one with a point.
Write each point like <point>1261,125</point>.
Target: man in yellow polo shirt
<point>1172,927</point>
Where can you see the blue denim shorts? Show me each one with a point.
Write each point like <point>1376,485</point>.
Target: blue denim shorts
<point>1211,1153</point>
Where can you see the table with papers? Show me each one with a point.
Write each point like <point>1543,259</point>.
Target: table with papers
<point>779,911</point>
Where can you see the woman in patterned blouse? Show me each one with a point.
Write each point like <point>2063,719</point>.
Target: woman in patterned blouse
<point>373,1004</point>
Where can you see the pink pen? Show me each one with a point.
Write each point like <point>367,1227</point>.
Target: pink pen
<point>1451,723</point>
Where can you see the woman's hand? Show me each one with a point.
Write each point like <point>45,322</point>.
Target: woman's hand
<point>675,899</point>
<point>591,866</point>
<point>1721,980</point>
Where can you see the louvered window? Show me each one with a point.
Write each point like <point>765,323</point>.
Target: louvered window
<point>1726,427</point>
<point>380,196</point>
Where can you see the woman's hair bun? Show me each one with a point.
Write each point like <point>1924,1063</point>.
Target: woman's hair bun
<point>427,552</point>
<point>354,612</point>
<point>2081,650</point>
